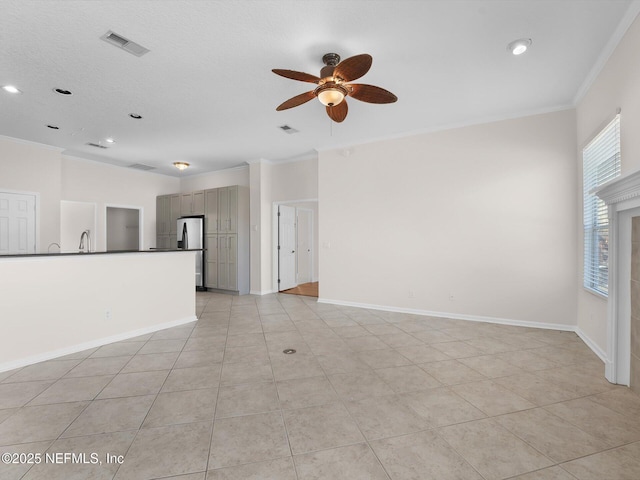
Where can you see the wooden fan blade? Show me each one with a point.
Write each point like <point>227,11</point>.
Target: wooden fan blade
<point>338,112</point>
<point>370,93</point>
<point>292,74</point>
<point>353,67</point>
<point>297,100</point>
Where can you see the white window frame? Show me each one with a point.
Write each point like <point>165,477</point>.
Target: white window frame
<point>600,163</point>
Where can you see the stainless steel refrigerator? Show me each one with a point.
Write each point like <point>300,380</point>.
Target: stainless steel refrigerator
<point>191,236</point>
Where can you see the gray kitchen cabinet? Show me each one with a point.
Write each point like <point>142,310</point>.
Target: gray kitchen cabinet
<point>164,242</point>
<point>228,262</point>
<point>227,216</point>
<point>211,210</point>
<point>167,213</point>
<point>192,203</point>
<point>166,220</point>
<point>226,211</point>
<point>163,214</point>
<point>212,261</point>
<point>174,210</point>
<point>197,205</point>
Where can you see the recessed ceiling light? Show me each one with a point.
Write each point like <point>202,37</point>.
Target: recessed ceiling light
<point>109,140</point>
<point>518,47</point>
<point>135,115</point>
<point>53,127</point>
<point>62,91</point>
<point>11,89</point>
<point>181,165</point>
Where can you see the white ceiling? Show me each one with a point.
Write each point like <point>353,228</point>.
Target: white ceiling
<point>208,96</point>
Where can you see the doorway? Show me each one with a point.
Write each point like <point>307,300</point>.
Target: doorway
<point>295,246</point>
<point>123,229</point>
<point>17,223</point>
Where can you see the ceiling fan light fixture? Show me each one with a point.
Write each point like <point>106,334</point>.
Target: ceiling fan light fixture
<point>181,165</point>
<point>330,96</point>
<point>330,93</point>
<point>518,47</point>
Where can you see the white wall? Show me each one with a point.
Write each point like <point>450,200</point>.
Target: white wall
<point>223,178</point>
<point>259,212</point>
<point>70,315</point>
<point>29,167</point>
<point>295,181</point>
<point>75,218</point>
<point>288,183</point>
<point>40,169</point>
<point>484,213</point>
<point>108,185</point>
<point>617,86</point>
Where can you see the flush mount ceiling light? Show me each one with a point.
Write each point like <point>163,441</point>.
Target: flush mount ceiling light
<point>333,85</point>
<point>62,91</point>
<point>181,165</point>
<point>518,47</point>
<point>10,89</point>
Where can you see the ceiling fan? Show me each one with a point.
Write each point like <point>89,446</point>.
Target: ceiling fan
<point>333,85</point>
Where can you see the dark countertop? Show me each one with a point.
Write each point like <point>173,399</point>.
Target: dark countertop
<point>71,254</point>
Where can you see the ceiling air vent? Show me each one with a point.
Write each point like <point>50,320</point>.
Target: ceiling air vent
<point>124,43</point>
<point>141,166</point>
<point>97,145</point>
<point>288,129</point>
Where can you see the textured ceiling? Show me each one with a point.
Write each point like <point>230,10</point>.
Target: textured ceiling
<point>208,96</point>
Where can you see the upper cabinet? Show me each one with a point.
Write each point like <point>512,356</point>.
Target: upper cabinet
<point>228,209</point>
<point>211,210</point>
<point>174,213</point>
<point>167,213</point>
<point>221,210</point>
<point>163,214</point>
<point>192,203</point>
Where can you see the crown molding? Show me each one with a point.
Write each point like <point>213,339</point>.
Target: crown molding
<point>626,21</point>
<point>33,144</point>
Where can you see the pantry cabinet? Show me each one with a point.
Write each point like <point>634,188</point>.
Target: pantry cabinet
<point>167,213</point>
<point>226,212</point>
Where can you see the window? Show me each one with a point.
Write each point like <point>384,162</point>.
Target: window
<point>601,163</point>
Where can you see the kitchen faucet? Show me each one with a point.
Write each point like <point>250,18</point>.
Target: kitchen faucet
<point>86,233</point>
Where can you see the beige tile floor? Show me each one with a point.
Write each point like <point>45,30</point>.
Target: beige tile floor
<point>368,395</point>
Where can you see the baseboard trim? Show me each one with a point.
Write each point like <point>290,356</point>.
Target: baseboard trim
<point>455,316</point>
<point>23,362</point>
<point>592,345</point>
<point>258,292</point>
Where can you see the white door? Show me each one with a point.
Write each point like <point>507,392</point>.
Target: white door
<point>305,245</point>
<point>286,247</point>
<point>17,223</point>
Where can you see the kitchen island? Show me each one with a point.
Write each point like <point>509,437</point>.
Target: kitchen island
<point>57,304</point>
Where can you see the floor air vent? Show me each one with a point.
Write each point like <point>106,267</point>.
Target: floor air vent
<point>140,166</point>
<point>97,145</point>
<point>124,43</point>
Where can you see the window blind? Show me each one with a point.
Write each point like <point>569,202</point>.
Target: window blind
<point>601,163</point>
